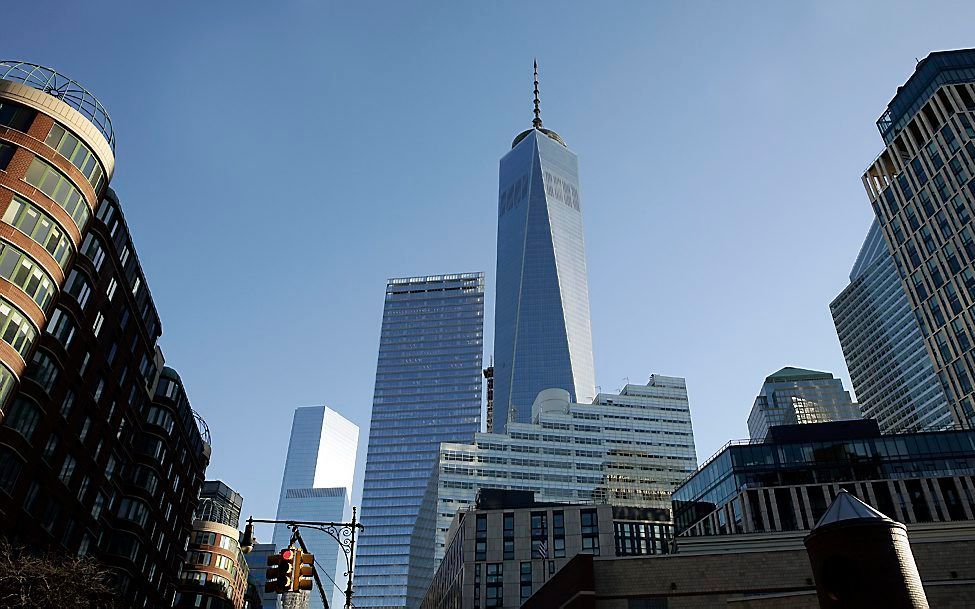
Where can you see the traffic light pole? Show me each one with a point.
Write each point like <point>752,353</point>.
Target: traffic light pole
<point>343,533</point>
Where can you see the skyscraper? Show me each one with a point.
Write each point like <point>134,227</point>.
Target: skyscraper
<point>794,395</point>
<point>923,195</point>
<point>317,485</point>
<point>891,370</point>
<point>428,391</point>
<point>542,335</point>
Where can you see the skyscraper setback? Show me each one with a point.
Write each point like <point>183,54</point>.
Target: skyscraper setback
<point>542,334</point>
<point>428,391</point>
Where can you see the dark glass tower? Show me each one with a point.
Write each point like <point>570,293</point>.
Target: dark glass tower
<point>542,332</point>
<point>428,391</point>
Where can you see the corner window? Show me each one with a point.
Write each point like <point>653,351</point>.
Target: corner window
<point>23,417</point>
<point>15,116</point>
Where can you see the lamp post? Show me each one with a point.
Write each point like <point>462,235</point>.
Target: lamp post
<point>342,532</point>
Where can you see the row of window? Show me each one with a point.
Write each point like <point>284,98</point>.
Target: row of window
<point>59,188</point>
<point>21,270</point>
<point>39,226</point>
<point>78,153</point>
<point>15,329</point>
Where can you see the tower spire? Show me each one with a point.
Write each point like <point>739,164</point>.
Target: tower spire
<point>537,122</point>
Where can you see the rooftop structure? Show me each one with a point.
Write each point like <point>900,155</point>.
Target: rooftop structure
<point>63,88</point>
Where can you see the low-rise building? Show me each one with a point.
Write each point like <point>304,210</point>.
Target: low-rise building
<point>215,573</point>
<point>502,551</point>
<point>786,482</point>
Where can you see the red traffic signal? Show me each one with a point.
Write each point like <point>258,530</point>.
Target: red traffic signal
<point>279,576</point>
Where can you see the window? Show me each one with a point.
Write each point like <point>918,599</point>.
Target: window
<point>919,288</point>
<point>78,153</point>
<point>926,204</point>
<point>951,256</point>
<point>162,418</point>
<point>67,470</point>
<point>97,326</point>
<point>43,370</point>
<point>110,290</point>
<point>941,185</point>
<point>92,248</point>
<point>509,536</point>
<point>61,327</point>
<point>39,226</point>
<point>526,581</point>
<point>55,185</point>
<point>125,545</point>
<point>943,225</point>
<point>480,545</point>
<point>67,404</point>
<point>961,209</point>
<point>494,591</point>
<point>50,448</point>
<point>539,532</point>
<point>78,286</point>
<point>133,510</point>
<point>15,329</point>
<point>935,272</point>
<point>961,334</point>
<point>23,417</point>
<point>918,167</point>
<point>590,532</point>
<point>16,116</point>
<point>6,153</point>
<point>19,269</point>
<point>558,534</point>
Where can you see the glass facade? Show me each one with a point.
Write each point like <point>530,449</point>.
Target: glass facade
<point>922,191</point>
<point>830,461</point>
<point>892,373</point>
<point>543,338</point>
<point>317,485</point>
<point>428,391</point>
<point>794,395</point>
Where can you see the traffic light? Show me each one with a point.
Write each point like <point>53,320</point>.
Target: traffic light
<point>305,571</point>
<point>279,576</point>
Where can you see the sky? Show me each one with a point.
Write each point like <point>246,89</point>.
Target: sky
<point>278,161</point>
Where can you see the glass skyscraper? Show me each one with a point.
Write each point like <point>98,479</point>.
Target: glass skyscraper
<point>428,391</point>
<point>922,190</point>
<point>794,395</point>
<point>892,373</point>
<point>317,485</point>
<point>542,334</point>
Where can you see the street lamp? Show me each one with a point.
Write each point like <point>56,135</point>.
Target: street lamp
<point>342,532</point>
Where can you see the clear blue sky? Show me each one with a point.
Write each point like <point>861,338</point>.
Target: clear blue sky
<point>277,161</point>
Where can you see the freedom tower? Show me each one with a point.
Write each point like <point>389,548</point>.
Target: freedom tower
<point>543,338</point>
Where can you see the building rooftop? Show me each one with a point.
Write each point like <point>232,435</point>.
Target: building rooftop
<point>790,374</point>
<point>937,69</point>
<point>60,86</point>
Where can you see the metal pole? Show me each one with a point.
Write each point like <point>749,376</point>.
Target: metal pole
<point>348,585</point>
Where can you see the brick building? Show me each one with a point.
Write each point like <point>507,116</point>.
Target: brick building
<point>100,451</point>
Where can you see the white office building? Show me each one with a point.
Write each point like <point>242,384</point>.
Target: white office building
<point>317,485</point>
<point>630,449</point>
